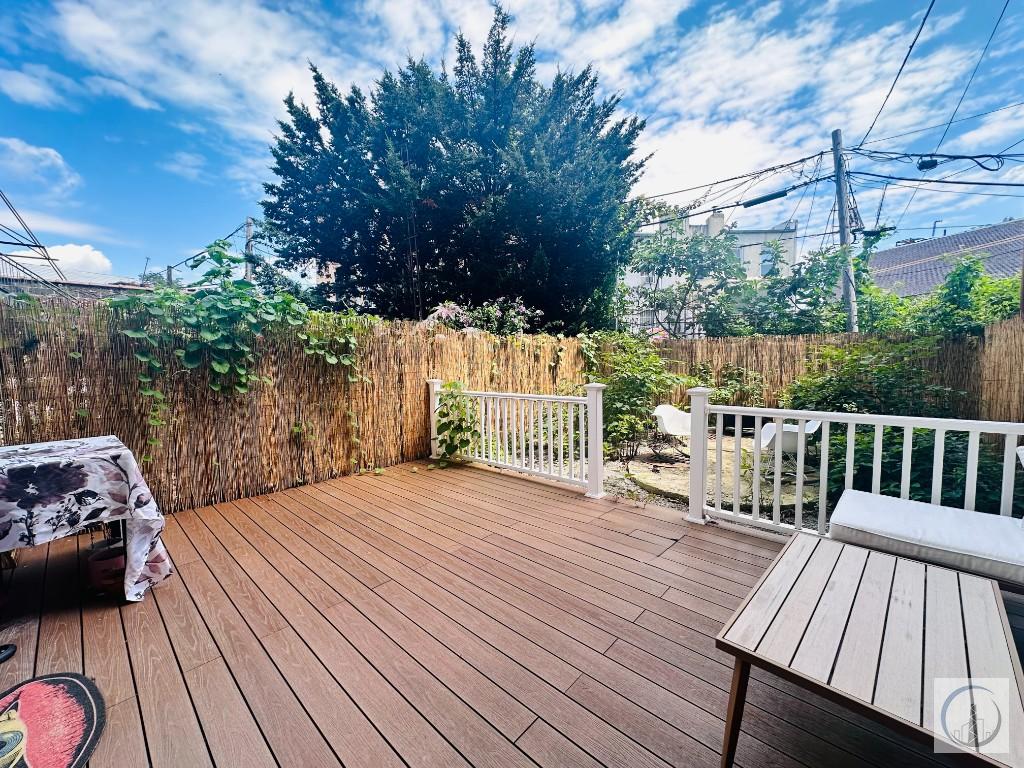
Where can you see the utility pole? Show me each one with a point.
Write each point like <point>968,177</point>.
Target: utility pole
<point>248,248</point>
<point>843,215</point>
<point>170,275</point>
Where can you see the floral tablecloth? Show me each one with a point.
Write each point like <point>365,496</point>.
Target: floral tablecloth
<point>51,490</point>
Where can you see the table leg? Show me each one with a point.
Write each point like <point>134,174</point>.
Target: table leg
<point>737,697</point>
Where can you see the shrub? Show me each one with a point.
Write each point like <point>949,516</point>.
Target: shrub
<point>457,420</point>
<point>887,378</point>
<point>733,385</point>
<point>637,378</point>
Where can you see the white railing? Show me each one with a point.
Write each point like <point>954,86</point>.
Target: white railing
<point>553,436</point>
<point>779,478</point>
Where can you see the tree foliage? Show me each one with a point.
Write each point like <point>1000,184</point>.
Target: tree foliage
<point>700,278</point>
<point>637,380</point>
<point>693,279</point>
<point>463,186</point>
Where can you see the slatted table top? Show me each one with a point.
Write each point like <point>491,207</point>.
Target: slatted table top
<point>880,633</point>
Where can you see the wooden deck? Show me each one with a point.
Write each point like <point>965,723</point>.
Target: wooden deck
<point>428,618</point>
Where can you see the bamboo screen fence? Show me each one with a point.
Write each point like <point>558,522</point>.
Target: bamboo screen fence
<point>989,368</point>
<point>66,371</point>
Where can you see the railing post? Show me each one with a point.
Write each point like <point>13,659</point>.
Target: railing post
<point>699,452</point>
<point>433,388</point>
<point>595,440</point>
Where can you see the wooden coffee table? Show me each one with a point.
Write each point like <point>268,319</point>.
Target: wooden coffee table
<point>873,632</point>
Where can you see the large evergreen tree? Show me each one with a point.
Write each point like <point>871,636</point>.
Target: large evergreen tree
<point>466,186</point>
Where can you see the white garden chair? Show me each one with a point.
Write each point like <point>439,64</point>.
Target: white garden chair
<point>673,422</point>
<point>789,442</point>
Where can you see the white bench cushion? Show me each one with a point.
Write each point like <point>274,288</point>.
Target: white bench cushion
<point>975,542</point>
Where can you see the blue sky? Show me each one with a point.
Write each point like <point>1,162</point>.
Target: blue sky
<point>139,130</point>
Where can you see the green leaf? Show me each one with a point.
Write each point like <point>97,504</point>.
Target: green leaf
<point>191,359</point>
<point>134,334</point>
<point>142,356</point>
<point>220,366</point>
<point>207,335</point>
<point>331,359</point>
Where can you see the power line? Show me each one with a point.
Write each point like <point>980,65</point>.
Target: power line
<point>963,95</point>
<point>942,125</point>
<point>942,191</point>
<point>974,72</point>
<point>237,229</point>
<point>781,166</point>
<point>940,181</point>
<point>744,203</point>
<point>899,72</point>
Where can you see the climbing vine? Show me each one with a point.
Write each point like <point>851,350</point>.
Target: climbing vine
<point>457,421</point>
<point>213,325</point>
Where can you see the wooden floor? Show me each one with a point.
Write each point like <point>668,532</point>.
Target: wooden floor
<point>428,618</point>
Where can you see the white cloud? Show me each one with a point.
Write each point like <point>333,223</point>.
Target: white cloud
<point>188,165</point>
<point>43,223</point>
<point>35,85</point>
<point>77,261</point>
<point>106,86</point>
<point>729,87</point>
<point>73,257</point>
<point>42,167</point>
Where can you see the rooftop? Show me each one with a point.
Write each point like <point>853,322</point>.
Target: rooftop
<point>448,617</point>
<point>918,268</point>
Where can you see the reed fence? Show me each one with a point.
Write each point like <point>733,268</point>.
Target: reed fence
<point>66,371</point>
<point>989,368</point>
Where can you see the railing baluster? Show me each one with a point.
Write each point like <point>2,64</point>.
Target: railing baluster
<point>482,405</point>
<point>736,461</point>
<point>571,442</point>
<point>971,481</point>
<point>532,416</point>
<point>561,442</point>
<point>823,479</point>
<point>551,437</point>
<point>522,432</point>
<point>755,480</point>
<point>485,417</point>
<point>503,411</point>
<point>777,480</point>
<point>719,475</point>
<point>1009,468</point>
<point>581,415</point>
<point>798,502</point>
<point>876,460</point>
<point>937,459</point>
<point>908,455</point>
<point>851,446</point>
<point>514,405</point>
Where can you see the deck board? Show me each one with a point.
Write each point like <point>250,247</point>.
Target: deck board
<point>430,618</point>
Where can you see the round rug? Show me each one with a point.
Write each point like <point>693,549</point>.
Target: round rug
<point>53,721</point>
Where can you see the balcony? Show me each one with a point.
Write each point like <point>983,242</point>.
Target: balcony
<point>461,616</point>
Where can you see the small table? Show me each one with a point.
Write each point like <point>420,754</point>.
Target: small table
<point>881,635</point>
<point>57,489</point>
